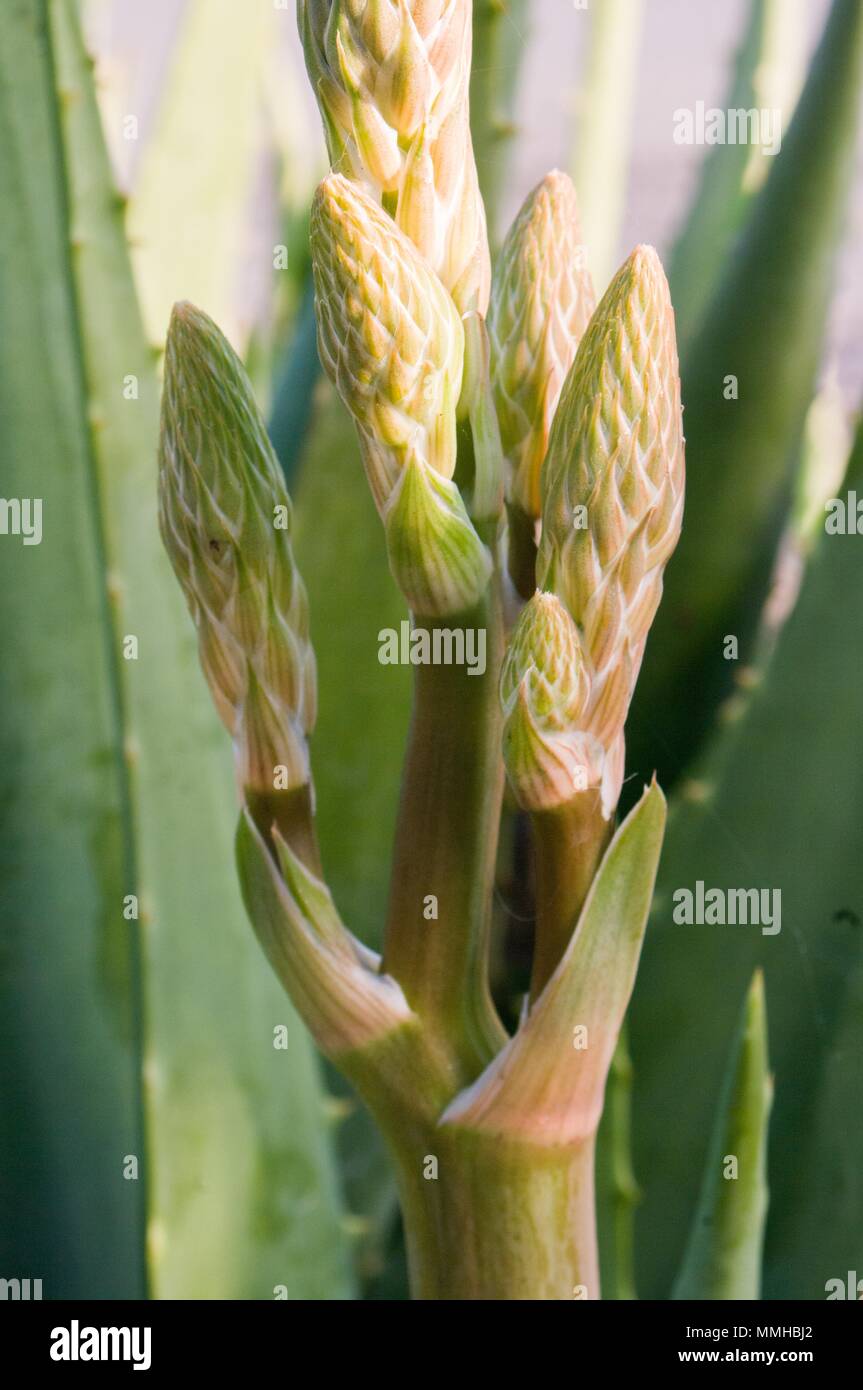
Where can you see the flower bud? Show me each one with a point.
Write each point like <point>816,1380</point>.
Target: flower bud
<point>613,483</point>
<point>225,516</point>
<point>436,557</point>
<point>542,299</point>
<point>392,342</point>
<point>391,78</point>
<point>550,755</point>
<point>389,336</point>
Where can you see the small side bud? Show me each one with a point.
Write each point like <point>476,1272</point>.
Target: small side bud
<point>436,557</point>
<point>550,754</point>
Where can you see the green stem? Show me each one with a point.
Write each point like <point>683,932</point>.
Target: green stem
<point>500,1219</point>
<point>486,1217</point>
<point>569,844</point>
<point>443,865</point>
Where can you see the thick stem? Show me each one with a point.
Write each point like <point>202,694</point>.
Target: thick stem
<point>443,867</point>
<point>569,843</point>
<point>492,1218</point>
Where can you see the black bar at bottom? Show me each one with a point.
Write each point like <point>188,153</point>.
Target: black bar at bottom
<point>69,1338</point>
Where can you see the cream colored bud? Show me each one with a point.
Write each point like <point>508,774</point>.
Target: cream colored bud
<point>613,482</point>
<point>391,78</point>
<point>389,336</point>
<point>549,752</point>
<point>542,299</point>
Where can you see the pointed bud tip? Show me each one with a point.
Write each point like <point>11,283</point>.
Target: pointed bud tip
<point>335,194</point>
<point>192,334</point>
<point>559,187</point>
<point>643,266</point>
<point>545,641</point>
<point>187,317</point>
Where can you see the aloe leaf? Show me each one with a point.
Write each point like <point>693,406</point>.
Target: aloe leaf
<point>68,989</point>
<point>215,1088</point>
<point>764,327</point>
<point>723,1258</point>
<point>617,1190</point>
<point>823,462</point>
<point>600,158</point>
<point>235,1140</point>
<point>824,458</point>
<point>767,74</point>
<point>189,215</point>
<point>499,41</point>
<point>775,805</point>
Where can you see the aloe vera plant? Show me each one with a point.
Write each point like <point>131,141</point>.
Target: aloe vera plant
<point>522,446</point>
<point>492,1136</point>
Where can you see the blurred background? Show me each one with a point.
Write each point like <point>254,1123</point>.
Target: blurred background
<point>684,53</point>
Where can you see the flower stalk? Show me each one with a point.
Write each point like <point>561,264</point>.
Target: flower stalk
<point>553,421</point>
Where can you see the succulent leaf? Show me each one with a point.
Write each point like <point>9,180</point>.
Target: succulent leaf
<point>723,1258</point>
<point>748,378</point>
<point>741,820</point>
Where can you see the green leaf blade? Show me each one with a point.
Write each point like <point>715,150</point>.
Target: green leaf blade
<point>776,804</point>
<point>236,1141</point>
<point>766,77</point>
<point>68,991</point>
<point>723,1258</point>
